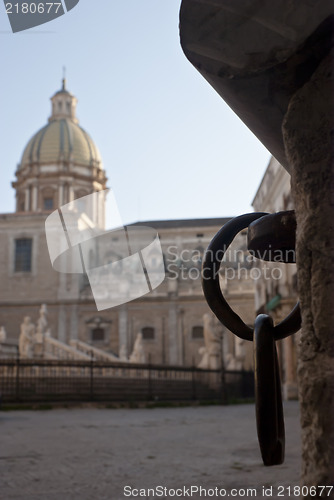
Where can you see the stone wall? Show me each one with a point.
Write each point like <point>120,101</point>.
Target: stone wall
<point>309,140</point>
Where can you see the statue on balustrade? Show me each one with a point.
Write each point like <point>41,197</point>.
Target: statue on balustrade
<point>3,334</point>
<point>123,355</point>
<point>26,339</point>
<point>42,331</point>
<point>42,323</point>
<point>138,353</point>
<point>212,350</point>
<point>235,361</point>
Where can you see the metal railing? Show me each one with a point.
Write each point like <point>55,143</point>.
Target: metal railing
<point>26,380</point>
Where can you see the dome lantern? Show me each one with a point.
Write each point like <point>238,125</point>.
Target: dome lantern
<point>64,105</point>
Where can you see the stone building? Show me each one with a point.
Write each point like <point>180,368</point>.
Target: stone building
<point>276,289</point>
<point>61,163</point>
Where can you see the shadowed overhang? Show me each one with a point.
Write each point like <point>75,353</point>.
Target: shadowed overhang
<point>256,54</point>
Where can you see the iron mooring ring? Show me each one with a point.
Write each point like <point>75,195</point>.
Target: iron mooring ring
<point>211,286</point>
<point>268,396</point>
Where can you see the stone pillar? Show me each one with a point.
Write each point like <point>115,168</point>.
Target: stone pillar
<point>94,209</point>
<point>70,193</point>
<point>239,348</point>
<point>60,195</point>
<point>181,339</point>
<point>123,329</point>
<point>163,340</point>
<point>308,131</point>
<point>172,334</point>
<point>73,334</point>
<point>289,383</point>
<point>27,200</point>
<point>34,198</point>
<point>287,352</point>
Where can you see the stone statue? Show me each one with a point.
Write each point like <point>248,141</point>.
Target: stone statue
<point>42,331</point>
<point>230,362</point>
<point>204,363</point>
<point>234,361</point>
<point>3,334</point>
<point>26,339</point>
<point>211,351</point>
<point>42,323</point>
<point>123,355</point>
<point>138,353</point>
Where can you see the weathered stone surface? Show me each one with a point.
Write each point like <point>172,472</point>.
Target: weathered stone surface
<point>308,132</point>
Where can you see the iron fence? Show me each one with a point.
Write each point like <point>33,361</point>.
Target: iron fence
<point>68,380</point>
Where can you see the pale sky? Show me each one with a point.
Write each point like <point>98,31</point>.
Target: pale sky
<point>170,145</point>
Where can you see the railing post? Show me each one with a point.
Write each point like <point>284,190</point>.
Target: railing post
<point>244,388</point>
<point>223,385</point>
<point>193,382</point>
<point>149,378</point>
<point>17,380</point>
<point>193,379</point>
<point>91,376</point>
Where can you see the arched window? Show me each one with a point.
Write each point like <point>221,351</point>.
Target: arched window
<point>23,255</point>
<point>148,333</point>
<point>47,203</point>
<point>197,332</point>
<point>48,198</point>
<point>98,334</point>
<point>98,330</point>
<point>82,205</point>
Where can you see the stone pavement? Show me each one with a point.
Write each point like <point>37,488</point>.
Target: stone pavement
<point>92,453</point>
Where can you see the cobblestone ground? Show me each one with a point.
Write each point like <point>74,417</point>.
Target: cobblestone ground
<point>92,454</point>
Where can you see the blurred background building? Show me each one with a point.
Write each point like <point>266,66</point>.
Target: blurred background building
<point>279,295</point>
<point>61,163</point>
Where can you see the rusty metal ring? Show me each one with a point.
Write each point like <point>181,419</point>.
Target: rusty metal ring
<point>211,287</point>
<point>268,396</point>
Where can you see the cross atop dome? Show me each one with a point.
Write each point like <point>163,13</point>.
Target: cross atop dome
<point>64,78</point>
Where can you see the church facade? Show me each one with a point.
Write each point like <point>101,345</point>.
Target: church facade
<point>61,163</point>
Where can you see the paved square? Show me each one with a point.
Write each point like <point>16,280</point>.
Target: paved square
<point>92,454</point>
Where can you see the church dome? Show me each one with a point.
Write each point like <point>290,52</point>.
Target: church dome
<point>62,139</point>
